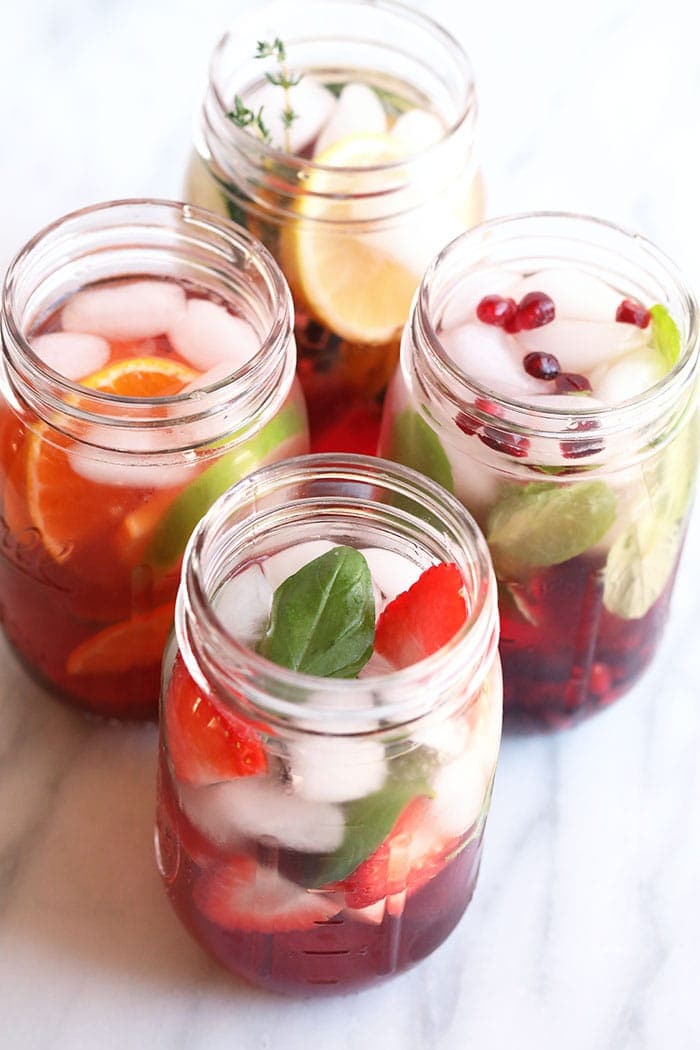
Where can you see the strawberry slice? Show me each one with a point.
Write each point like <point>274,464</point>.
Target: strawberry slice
<point>207,743</point>
<point>410,855</point>
<point>240,895</point>
<point>424,618</point>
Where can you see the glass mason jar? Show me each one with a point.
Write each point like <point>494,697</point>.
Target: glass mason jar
<point>101,482</point>
<point>353,226</point>
<point>316,834</point>
<point>584,504</point>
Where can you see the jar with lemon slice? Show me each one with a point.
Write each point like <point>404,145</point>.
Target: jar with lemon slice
<point>147,365</point>
<point>342,135</point>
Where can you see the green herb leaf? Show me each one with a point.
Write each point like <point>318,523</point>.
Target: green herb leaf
<point>643,557</point>
<point>415,444</point>
<point>545,523</point>
<point>667,338</point>
<point>176,525</point>
<point>322,619</point>
<point>369,820</point>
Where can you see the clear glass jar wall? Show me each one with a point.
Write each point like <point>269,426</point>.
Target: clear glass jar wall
<point>317,834</point>
<point>353,224</point>
<point>147,364</point>
<point>584,503</point>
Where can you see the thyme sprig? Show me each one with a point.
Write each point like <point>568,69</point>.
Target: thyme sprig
<point>244,117</point>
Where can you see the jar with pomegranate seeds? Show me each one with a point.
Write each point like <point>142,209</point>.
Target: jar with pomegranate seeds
<point>341,133</point>
<point>548,378</point>
<point>330,724</point>
<point>147,364</point>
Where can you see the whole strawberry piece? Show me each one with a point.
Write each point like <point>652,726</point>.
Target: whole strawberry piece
<point>424,618</point>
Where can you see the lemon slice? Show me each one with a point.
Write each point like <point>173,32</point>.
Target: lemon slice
<point>349,283</point>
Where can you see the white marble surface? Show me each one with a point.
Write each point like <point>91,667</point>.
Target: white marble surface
<point>585,930</point>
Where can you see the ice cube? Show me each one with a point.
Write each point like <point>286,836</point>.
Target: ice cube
<point>313,103</point>
<point>491,357</point>
<point>577,295</point>
<point>358,111</point>
<point>461,307</point>
<point>251,807</point>
<point>335,769</point>
<point>580,346</point>
<point>74,355</point>
<point>243,605</point>
<point>415,244</point>
<point>279,567</point>
<point>373,914</point>
<point>128,310</point>
<point>460,789</point>
<point>357,706</point>
<point>476,484</point>
<point>135,465</point>
<point>628,377</point>
<point>207,335</point>
<point>393,573</point>
<point>213,375</point>
<point>417,129</point>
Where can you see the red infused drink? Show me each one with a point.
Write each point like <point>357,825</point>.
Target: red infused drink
<point>330,724</point>
<point>141,376</point>
<point>342,135</point>
<point>547,378</point>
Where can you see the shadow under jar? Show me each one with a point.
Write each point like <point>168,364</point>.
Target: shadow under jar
<point>374,175</point>
<point>147,364</point>
<point>320,833</point>
<point>548,379</point>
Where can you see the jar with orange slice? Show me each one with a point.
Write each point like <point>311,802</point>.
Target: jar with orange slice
<point>147,365</point>
<point>342,135</point>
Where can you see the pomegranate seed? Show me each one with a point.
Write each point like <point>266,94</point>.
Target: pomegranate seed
<point>572,383</point>
<point>631,312</point>
<point>494,309</point>
<point>541,366</point>
<point>470,424</point>
<point>599,680</point>
<point>534,310</point>
<point>580,449</point>
<point>502,441</point>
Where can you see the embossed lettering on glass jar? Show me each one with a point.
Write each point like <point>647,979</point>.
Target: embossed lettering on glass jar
<point>147,364</point>
<point>548,377</point>
<point>378,174</point>
<point>319,833</point>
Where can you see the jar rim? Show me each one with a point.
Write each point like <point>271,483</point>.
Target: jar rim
<point>294,163</point>
<point>267,687</point>
<point>535,420</point>
<point>50,392</point>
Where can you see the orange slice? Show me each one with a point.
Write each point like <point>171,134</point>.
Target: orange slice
<point>65,507</point>
<point>145,377</point>
<point>138,642</point>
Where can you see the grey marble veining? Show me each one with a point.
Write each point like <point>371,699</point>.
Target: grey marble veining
<point>584,932</point>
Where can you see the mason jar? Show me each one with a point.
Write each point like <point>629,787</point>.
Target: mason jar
<point>147,364</point>
<point>355,223</point>
<point>318,833</point>
<point>582,483</point>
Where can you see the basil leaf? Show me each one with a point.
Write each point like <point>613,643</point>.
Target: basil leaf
<point>644,556</point>
<point>176,525</point>
<point>369,820</point>
<point>545,523</point>
<point>322,619</point>
<point>665,334</point>
<point>415,444</point>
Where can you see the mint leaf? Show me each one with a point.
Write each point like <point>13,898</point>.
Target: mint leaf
<point>545,523</point>
<point>176,525</point>
<point>369,820</point>
<point>643,557</point>
<point>415,444</point>
<point>322,619</point>
<point>665,335</point>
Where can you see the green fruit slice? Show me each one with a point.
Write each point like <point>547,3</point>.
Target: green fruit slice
<point>415,444</point>
<point>545,524</point>
<point>174,529</point>
<point>643,557</point>
<point>665,335</point>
